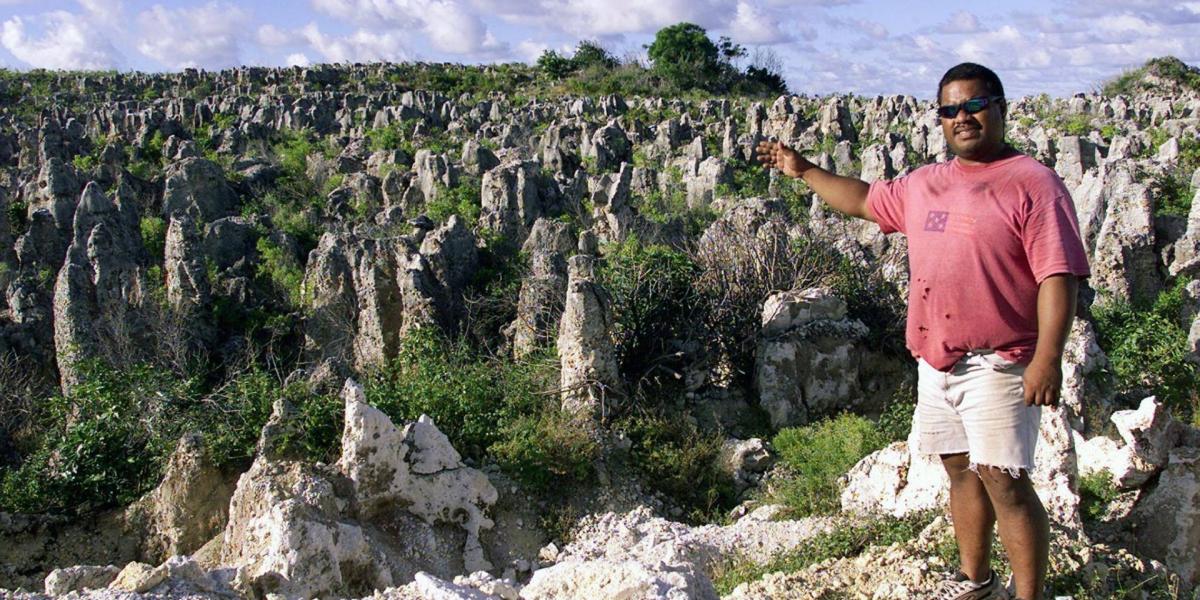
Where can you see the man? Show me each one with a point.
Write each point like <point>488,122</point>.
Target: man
<point>994,260</point>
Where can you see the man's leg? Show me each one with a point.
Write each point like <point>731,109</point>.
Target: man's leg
<point>971,509</point>
<point>1024,528</point>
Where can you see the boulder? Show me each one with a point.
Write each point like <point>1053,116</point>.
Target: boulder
<point>415,467</point>
<point>807,362</point>
<point>897,480</point>
<point>197,187</point>
<point>80,578</point>
<point>187,508</point>
<point>607,579</point>
<point>1167,518</point>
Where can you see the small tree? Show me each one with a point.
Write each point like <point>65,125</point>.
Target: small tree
<point>591,54</point>
<point>683,54</point>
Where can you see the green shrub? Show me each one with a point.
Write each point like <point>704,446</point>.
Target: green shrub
<point>154,237</point>
<point>293,150</point>
<point>462,200</point>
<point>472,399</point>
<point>1096,492</point>
<point>895,423</point>
<point>546,451</point>
<point>386,138</point>
<point>653,302</point>
<point>278,266</point>
<point>102,445</point>
<point>106,443</point>
<point>816,456</point>
<point>1147,348</point>
<point>678,460</point>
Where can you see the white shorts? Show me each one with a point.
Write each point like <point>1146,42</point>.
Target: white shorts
<point>978,407</point>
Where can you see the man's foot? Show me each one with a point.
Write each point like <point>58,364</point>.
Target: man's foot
<point>960,587</point>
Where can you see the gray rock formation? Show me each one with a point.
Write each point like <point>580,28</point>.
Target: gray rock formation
<point>590,377</point>
<point>197,187</point>
<point>187,508</point>
<point>807,363</point>
<point>543,291</point>
<point>100,289</point>
<point>511,200</point>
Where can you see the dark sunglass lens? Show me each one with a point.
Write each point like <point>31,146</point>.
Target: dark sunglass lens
<point>975,105</point>
<point>949,111</point>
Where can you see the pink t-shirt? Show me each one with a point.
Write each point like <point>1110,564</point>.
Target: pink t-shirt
<point>981,238</point>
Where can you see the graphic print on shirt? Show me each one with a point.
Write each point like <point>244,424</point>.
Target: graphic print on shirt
<point>942,221</point>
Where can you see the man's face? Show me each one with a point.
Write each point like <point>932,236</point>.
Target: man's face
<point>972,137</point>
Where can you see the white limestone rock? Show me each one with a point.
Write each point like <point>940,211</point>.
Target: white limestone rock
<point>1167,519</point>
<point>897,480</point>
<point>807,364</point>
<point>414,467</point>
<point>432,588</point>
<point>1055,474</point>
<point>606,579</point>
<point>79,578</point>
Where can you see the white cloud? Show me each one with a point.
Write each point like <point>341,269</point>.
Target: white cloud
<point>297,59</point>
<point>359,46</point>
<point>270,35</point>
<point>450,25</point>
<point>961,22</point>
<point>204,36</point>
<point>67,41</point>
<point>753,26</point>
<point>529,50</point>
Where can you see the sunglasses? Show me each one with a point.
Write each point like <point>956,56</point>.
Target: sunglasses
<point>972,106</point>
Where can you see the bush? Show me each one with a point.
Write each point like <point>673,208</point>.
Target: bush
<point>472,399</point>
<point>106,443</point>
<point>154,237</point>
<point>817,455</point>
<point>1096,492</point>
<point>683,54</point>
<point>546,451</point>
<point>279,267</point>
<point>102,445</point>
<point>1147,348</point>
<point>462,200</point>
<point>678,460</point>
<point>653,303</point>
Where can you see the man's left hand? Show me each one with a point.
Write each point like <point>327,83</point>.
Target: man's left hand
<point>1043,381</point>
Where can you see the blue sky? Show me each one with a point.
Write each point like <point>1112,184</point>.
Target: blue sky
<point>861,46</point>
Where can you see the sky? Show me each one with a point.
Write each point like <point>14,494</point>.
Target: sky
<point>871,47</point>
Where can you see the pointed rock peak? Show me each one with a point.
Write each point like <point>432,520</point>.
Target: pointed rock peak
<point>93,201</point>
<point>352,392</point>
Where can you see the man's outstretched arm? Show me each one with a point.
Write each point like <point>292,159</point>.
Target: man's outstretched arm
<point>845,194</point>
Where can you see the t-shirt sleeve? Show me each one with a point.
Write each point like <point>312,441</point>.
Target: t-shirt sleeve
<point>1051,235</point>
<point>885,200</point>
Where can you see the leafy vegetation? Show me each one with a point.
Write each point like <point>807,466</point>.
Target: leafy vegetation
<point>1096,492</point>
<point>1146,343</point>
<point>107,441</point>
<point>815,456</point>
<point>675,458</point>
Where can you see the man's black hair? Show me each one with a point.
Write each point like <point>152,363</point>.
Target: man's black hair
<point>968,70</point>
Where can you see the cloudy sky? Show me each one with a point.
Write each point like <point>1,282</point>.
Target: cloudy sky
<point>861,46</point>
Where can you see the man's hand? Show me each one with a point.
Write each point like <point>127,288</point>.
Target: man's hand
<point>775,155</point>
<point>1043,383</point>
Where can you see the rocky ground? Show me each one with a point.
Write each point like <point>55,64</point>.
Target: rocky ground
<point>137,209</point>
